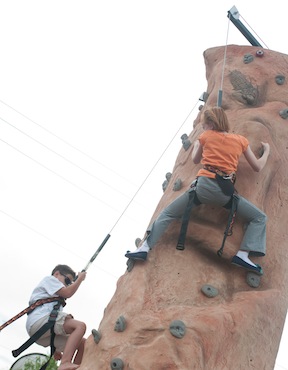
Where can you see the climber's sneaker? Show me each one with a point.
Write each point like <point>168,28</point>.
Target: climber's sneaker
<point>237,261</point>
<point>141,256</point>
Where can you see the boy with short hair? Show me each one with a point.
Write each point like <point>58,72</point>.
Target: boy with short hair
<point>69,333</point>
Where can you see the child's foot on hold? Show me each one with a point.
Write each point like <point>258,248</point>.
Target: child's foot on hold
<point>68,366</point>
<point>237,261</point>
<point>137,255</point>
<point>140,253</point>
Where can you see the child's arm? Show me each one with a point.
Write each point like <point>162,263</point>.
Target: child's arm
<point>69,290</point>
<point>197,152</point>
<point>257,163</point>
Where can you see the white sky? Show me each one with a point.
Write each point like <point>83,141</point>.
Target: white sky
<point>91,95</point>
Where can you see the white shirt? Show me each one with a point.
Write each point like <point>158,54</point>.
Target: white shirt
<point>45,289</point>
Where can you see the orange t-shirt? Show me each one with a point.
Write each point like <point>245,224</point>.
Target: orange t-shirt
<point>221,150</point>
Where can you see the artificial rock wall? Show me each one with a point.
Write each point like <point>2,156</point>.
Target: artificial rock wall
<point>192,309</point>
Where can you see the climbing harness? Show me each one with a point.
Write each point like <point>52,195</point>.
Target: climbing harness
<point>193,200</point>
<point>49,325</point>
<point>30,308</point>
<point>231,176</point>
<point>223,180</point>
<point>231,219</point>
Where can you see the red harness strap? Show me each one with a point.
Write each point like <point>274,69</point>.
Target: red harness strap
<point>31,308</point>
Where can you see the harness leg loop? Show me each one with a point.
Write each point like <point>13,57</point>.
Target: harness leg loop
<point>231,219</point>
<point>193,200</point>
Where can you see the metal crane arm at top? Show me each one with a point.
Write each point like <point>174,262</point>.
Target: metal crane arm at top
<point>233,15</point>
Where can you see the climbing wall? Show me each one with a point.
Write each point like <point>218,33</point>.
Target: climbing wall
<point>191,309</point>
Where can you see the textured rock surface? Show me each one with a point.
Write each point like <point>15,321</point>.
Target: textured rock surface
<point>239,328</point>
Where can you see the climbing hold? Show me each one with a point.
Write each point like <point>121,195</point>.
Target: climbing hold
<point>97,336</point>
<point>209,290</point>
<point>177,328</point>
<point>120,324</point>
<point>245,90</point>
<point>185,141</point>
<point>177,185</point>
<point>259,53</point>
<point>204,96</point>
<point>284,113</point>
<point>117,363</point>
<point>248,58</point>
<point>137,242</point>
<point>166,182</point>
<point>130,264</point>
<point>280,79</point>
<point>253,280</point>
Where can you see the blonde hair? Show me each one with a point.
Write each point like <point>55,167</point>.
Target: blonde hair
<point>218,117</point>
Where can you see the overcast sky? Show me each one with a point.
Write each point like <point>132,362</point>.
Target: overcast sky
<point>94,97</point>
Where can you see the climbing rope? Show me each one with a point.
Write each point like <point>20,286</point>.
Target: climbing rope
<point>255,32</point>
<point>137,191</point>
<point>153,167</point>
<point>220,92</point>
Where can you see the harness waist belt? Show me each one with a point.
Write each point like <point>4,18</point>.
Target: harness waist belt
<point>231,176</point>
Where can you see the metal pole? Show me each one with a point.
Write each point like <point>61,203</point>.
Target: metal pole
<point>233,15</point>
